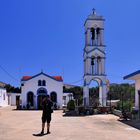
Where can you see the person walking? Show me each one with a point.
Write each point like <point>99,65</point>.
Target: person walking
<point>46,114</point>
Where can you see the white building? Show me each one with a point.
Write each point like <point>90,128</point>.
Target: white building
<point>94,57</point>
<point>15,99</point>
<point>3,97</point>
<point>66,98</point>
<point>136,77</point>
<point>35,88</point>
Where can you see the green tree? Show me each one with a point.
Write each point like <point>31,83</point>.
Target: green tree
<point>71,105</point>
<point>77,93</point>
<point>10,88</point>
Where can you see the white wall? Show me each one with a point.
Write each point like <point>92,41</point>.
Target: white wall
<point>13,98</point>
<point>66,98</point>
<point>51,86</point>
<point>137,87</point>
<point>3,97</point>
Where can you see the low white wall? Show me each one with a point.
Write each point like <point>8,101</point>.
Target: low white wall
<point>66,98</point>
<point>13,98</point>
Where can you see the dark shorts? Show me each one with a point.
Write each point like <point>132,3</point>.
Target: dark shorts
<point>46,118</point>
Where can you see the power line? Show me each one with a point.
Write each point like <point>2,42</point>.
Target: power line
<point>2,68</point>
<point>76,81</point>
<point>82,79</point>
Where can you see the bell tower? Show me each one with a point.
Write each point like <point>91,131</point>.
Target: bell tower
<point>94,57</point>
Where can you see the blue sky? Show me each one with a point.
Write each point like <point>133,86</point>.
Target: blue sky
<point>49,35</point>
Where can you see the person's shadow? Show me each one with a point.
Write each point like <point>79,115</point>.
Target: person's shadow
<point>39,134</point>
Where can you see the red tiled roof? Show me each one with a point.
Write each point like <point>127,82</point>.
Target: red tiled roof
<point>58,78</point>
<point>26,78</point>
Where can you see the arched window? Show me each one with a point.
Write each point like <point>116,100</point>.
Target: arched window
<point>43,83</point>
<point>53,96</point>
<point>98,59</point>
<point>42,91</point>
<point>92,64</point>
<point>98,31</point>
<point>92,33</point>
<point>93,36</point>
<point>39,82</point>
<point>92,60</point>
<point>98,36</point>
<point>99,65</point>
<point>30,99</point>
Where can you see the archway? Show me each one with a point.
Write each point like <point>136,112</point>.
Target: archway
<point>53,96</point>
<point>101,88</point>
<point>30,98</point>
<point>41,94</point>
<point>94,93</point>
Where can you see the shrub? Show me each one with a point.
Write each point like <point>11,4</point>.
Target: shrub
<point>71,105</point>
<point>81,110</point>
<point>127,105</point>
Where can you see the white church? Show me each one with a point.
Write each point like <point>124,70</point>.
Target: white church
<point>35,88</point>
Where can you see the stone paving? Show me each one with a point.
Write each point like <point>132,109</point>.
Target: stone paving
<point>21,125</point>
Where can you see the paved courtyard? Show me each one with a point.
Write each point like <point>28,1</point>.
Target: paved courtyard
<point>21,125</point>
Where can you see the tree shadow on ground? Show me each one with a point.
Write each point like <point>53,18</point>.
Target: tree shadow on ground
<point>133,123</point>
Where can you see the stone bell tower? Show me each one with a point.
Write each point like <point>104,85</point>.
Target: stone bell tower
<point>94,57</point>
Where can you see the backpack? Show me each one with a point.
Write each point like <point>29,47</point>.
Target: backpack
<point>49,107</point>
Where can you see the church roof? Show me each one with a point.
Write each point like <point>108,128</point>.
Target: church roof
<point>94,16</point>
<point>133,76</point>
<point>24,78</point>
<point>57,78</point>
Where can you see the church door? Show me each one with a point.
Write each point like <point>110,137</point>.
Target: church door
<point>42,93</point>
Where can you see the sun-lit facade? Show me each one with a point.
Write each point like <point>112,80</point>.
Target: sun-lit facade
<point>35,88</point>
